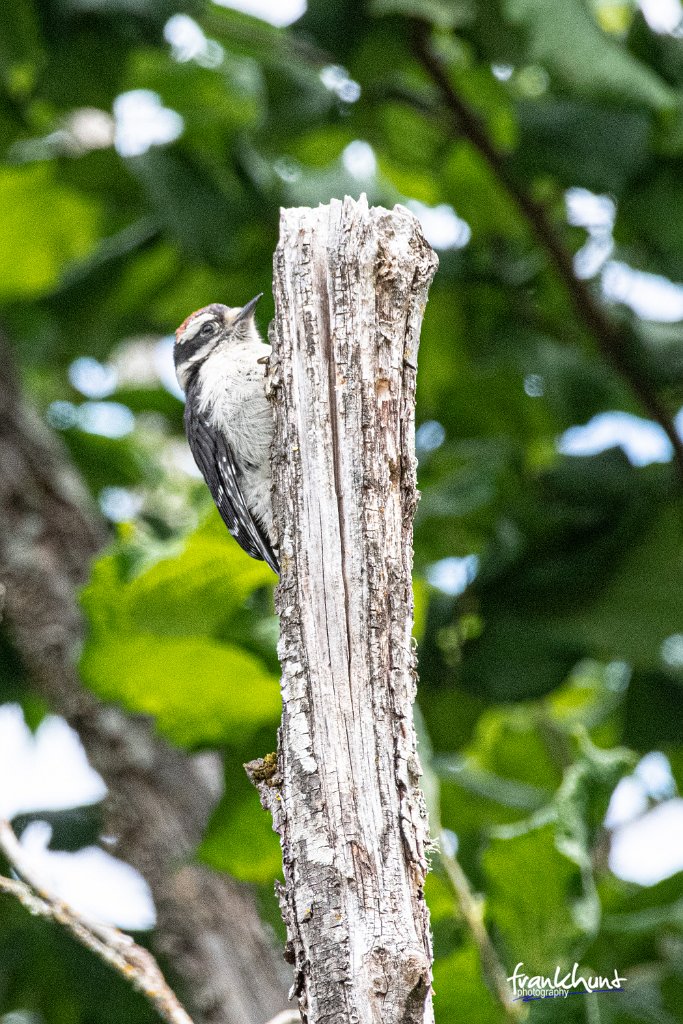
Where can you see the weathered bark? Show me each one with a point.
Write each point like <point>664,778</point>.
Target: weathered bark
<point>350,289</point>
<point>159,798</point>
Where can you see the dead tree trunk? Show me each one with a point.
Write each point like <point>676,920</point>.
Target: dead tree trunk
<point>350,290</point>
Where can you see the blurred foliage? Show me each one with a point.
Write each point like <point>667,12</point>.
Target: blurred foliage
<point>550,669</point>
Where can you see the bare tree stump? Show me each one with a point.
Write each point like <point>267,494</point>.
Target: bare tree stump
<point>350,289</point>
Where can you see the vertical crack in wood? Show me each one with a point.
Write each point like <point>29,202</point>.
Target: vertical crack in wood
<point>350,289</point>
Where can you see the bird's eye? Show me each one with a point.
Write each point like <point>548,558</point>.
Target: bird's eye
<point>208,329</point>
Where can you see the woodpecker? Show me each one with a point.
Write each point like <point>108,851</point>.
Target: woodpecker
<point>219,362</point>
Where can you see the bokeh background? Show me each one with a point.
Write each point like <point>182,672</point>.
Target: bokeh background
<point>146,149</point>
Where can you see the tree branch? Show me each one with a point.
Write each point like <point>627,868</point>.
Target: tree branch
<point>159,798</point>
<point>471,910</point>
<point>608,338</point>
<point>119,951</point>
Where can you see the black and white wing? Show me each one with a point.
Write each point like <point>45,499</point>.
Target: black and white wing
<point>214,457</point>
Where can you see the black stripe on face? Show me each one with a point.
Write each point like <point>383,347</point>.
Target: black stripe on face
<point>194,349</point>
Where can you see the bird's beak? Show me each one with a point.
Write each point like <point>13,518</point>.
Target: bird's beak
<point>248,310</point>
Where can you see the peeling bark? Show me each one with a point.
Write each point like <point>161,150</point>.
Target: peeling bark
<point>159,798</point>
<point>350,289</point>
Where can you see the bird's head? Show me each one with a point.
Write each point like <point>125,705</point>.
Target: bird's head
<point>203,331</point>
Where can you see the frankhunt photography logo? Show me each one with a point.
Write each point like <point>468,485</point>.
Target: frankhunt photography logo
<point>528,987</point>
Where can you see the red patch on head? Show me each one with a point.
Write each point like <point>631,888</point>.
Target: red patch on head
<point>187,320</point>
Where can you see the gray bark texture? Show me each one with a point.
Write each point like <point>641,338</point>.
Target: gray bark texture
<point>159,798</point>
<point>350,287</point>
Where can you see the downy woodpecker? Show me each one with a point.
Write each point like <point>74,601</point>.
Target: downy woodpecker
<point>219,362</point>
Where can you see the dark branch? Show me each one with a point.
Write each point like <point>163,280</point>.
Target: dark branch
<point>159,798</point>
<point>134,963</point>
<point>608,337</point>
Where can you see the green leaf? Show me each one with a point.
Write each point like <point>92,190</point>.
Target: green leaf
<point>459,988</point>
<point>508,742</point>
<point>479,197</point>
<point>635,910</point>
<point>72,827</point>
<point>653,712</point>
<point>584,795</point>
<point>196,592</point>
<point>588,566</point>
<point>420,603</point>
<point>72,984</point>
<point>196,209</point>
<point>513,660</point>
<point>201,693</point>
<point>215,104</point>
<point>443,14</point>
<point>44,227</point>
<point>336,25</point>
<point>589,696</point>
<point>545,862</point>
<point>580,143</point>
<point>641,607</point>
<point>187,588</point>
<point>105,298</point>
<point>85,64</point>
<point>108,461</point>
<point>566,40</point>
<point>241,841</point>
<point>19,46</point>
<point>160,616</point>
<point>651,217</point>
<point>240,837</point>
<point>505,772</point>
<point>527,874</point>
